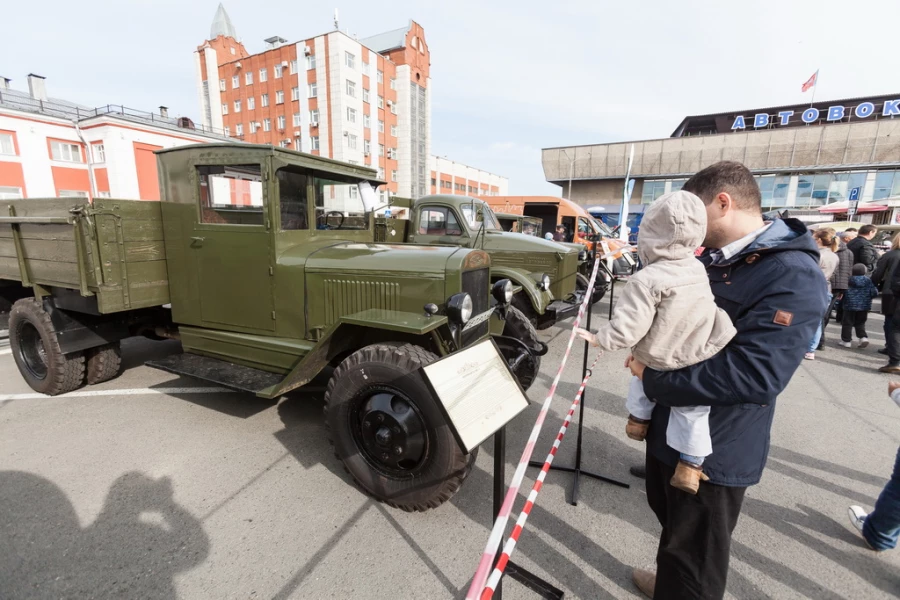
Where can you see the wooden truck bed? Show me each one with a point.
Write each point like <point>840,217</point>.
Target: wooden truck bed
<point>112,250</point>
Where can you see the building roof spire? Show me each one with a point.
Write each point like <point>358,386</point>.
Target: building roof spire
<point>222,25</point>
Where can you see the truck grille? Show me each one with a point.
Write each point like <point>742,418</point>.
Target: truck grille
<point>344,297</point>
<point>476,283</point>
<point>562,282</point>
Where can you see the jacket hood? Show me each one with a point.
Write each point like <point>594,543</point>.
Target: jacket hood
<point>781,236</point>
<point>672,228</point>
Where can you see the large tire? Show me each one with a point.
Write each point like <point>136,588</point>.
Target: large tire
<point>519,327</point>
<point>103,363</point>
<point>581,285</point>
<point>522,303</point>
<point>37,354</point>
<point>377,402</point>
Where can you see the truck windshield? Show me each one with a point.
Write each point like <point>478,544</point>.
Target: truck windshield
<point>339,203</point>
<point>473,217</point>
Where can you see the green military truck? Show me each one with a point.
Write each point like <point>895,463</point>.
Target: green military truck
<point>261,262</point>
<point>546,272</point>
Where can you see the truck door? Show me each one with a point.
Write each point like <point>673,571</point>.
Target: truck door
<point>231,248</point>
<point>437,225</point>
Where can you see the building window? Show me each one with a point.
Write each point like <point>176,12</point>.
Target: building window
<point>285,143</point>
<point>310,62</point>
<point>381,173</point>
<point>313,90</point>
<point>99,152</point>
<point>235,82</point>
<point>652,191</point>
<point>367,121</point>
<point>248,78</point>
<point>365,68</point>
<point>351,115</point>
<point>295,93</point>
<point>251,103</point>
<point>380,126</point>
<point>227,130</point>
<point>380,77</point>
<point>394,130</point>
<point>279,70</point>
<point>380,101</point>
<point>351,141</point>
<point>394,175</point>
<point>349,60</point>
<point>380,149</point>
<point>393,108</point>
<point>281,122</point>
<point>72,194</point>
<point>314,142</point>
<point>351,88</point>
<point>221,85</point>
<point>103,194</point>
<point>813,190</point>
<point>237,106</point>
<point>239,129</point>
<point>263,75</point>
<point>65,152</point>
<point>267,124</point>
<point>367,146</point>
<point>365,95</point>
<point>252,127</point>
<point>296,119</point>
<point>887,184</point>
<point>293,67</point>
<point>314,116</point>
<point>279,97</point>
<point>224,109</point>
<point>10,193</point>
<point>393,83</point>
<point>264,100</point>
<point>843,183</point>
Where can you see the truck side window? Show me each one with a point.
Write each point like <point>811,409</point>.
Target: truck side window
<point>231,195</point>
<point>339,203</point>
<point>436,220</point>
<point>292,197</point>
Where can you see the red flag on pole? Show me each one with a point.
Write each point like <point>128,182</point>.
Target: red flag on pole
<point>811,82</point>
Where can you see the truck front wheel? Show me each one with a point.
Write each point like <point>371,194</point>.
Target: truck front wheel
<point>519,327</point>
<point>36,351</point>
<point>387,428</point>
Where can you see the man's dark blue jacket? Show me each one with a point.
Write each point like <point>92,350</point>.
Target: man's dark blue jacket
<point>775,293</point>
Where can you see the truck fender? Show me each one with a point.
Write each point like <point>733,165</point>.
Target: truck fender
<point>520,277</point>
<point>351,333</point>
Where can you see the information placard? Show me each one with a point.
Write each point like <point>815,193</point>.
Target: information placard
<point>477,392</point>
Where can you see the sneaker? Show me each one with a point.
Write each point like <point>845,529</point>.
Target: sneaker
<point>857,519</point>
<point>810,356</point>
<point>863,342</point>
<point>889,368</point>
<point>845,344</point>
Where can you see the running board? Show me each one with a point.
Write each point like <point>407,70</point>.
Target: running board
<point>220,372</point>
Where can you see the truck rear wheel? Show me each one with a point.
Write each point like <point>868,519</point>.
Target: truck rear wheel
<point>581,285</point>
<point>519,327</point>
<point>387,428</point>
<point>36,351</point>
<point>103,363</point>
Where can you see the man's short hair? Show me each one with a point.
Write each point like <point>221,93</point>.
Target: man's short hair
<point>560,226</point>
<point>726,176</point>
<point>850,230</point>
<point>867,229</point>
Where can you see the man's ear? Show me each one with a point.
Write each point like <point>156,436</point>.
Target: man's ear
<point>724,202</point>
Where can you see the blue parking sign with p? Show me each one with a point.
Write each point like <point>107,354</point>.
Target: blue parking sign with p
<point>854,194</point>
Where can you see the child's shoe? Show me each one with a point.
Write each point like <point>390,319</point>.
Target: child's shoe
<point>636,428</point>
<point>863,342</point>
<point>687,477</point>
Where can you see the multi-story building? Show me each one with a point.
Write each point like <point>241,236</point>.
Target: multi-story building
<point>805,157</point>
<point>364,101</point>
<point>55,148</point>
<point>451,177</point>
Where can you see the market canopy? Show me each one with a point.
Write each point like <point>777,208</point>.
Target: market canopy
<point>842,207</point>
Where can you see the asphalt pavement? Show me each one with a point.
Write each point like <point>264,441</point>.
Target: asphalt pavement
<point>155,486</point>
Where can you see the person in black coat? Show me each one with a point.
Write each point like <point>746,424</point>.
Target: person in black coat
<point>863,250</point>
<point>840,279</point>
<point>884,272</point>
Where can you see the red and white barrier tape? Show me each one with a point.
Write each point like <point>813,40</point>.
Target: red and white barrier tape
<point>494,579</point>
<point>490,550</point>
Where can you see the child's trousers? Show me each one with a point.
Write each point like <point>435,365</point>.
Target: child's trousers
<point>688,430</point>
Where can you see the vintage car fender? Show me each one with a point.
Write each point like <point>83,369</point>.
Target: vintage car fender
<point>520,277</point>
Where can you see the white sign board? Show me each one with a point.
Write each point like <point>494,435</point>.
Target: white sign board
<point>477,392</point>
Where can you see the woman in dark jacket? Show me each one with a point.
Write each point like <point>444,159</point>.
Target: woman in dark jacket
<point>840,280</point>
<point>884,271</point>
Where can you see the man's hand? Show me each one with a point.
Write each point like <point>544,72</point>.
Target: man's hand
<point>636,366</point>
<point>893,385</point>
<point>586,336</point>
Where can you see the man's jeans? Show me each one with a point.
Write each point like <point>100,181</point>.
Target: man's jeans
<point>882,526</point>
<point>818,335</point>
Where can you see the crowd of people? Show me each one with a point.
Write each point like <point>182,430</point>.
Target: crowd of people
<point>714,342</point>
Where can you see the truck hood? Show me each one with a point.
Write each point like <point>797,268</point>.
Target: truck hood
<point>507,241</point>
<point>428,261</point>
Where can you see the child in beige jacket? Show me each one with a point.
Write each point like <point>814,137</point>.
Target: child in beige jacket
<point>668,317</point>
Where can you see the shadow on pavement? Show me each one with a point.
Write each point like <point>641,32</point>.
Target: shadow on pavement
<point>134,548</point>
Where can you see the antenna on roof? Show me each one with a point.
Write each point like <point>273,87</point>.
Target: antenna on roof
<point>336,26</point>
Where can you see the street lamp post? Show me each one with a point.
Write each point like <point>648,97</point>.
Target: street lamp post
<point>571,170</point>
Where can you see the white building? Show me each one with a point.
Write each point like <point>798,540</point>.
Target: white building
<point>451,177</point>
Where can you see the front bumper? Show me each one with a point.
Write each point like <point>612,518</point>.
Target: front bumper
<point>560,310</point>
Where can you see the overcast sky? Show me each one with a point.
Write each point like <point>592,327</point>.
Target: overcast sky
<point>509,77</point>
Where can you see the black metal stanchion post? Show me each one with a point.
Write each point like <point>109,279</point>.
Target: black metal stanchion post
<point>526,578</point>
<point>612,292</point>
<point>577,470</point>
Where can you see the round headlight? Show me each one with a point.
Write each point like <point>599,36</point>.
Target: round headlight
<point>459,308</point>
<point>503,291</point>
<point>545,282</point>
<point>583,255</point>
